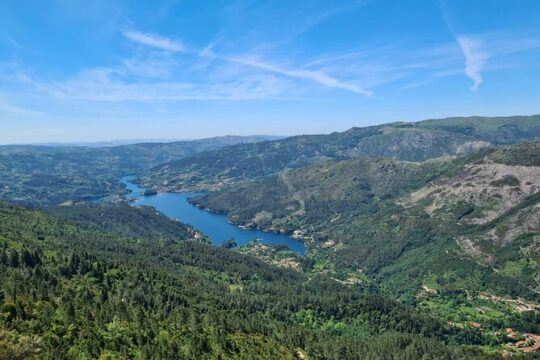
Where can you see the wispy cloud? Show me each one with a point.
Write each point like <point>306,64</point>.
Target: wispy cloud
<point>7,108</point>
<point>475,58</point>
<point>316,76</point>
<point>154,41</point>
<point>212,73</point>
<point>149,67</point>
<point>471,47</point>
<point>9,40</point>
<point>113,85</point>
<point>313,75</point>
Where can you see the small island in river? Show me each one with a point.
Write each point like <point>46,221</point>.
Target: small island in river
<point>149,192</point>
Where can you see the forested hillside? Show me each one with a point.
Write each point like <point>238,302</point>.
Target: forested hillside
<point>419,141</point>
<point>123,219</point>
<point>428,233</point>
<point>72,292</point>
<point>46,175</point>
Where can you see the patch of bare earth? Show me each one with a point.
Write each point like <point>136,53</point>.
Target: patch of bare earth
<point>519,305</point>
<point>478,185</point>
<point>290,263</point>
<point>525,221</point>
<point>264,252</point>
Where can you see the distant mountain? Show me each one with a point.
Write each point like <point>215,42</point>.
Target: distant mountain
<point>211,170</point>
<point>50,175</point>
<point>110,143</point>
<point>102,143</point>
<point>428,233</point>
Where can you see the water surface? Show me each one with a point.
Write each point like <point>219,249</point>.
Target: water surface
<point>215,226</point>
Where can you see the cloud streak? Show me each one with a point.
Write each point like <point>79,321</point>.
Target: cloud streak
<point>171,72</point>
<point>313,75</point>
<point>155,41</point>
<point>475,59</point>
<point>319,77</point>
<point>112,85</point>
<point>471,48</point>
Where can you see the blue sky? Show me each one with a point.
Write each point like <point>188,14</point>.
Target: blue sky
<point>100,70</point>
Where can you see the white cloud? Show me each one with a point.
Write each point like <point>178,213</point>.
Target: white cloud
<point>111,85</point>
<point>314,75</point>
<point>155,41</point>
<point>475,58</point>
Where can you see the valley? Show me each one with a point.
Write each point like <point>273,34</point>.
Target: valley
<point>214,226</point>
<point>420,238</point>
<point>49,176</point>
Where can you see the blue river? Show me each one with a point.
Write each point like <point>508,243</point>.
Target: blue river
<point>215,226</point>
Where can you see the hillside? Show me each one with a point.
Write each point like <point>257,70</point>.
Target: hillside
<point>419,141</point>
<point>45,175</point>
<point>195,301</point>
<point>462,227</point>
<point>125,220</point>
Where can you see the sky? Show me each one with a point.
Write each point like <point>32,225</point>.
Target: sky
<point>75,70</point>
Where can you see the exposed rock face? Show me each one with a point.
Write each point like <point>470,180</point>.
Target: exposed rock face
<point>487,189</point>
<point>495,201</point>
<point>471,146</point>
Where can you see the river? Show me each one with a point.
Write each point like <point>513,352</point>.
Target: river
<point>215,226</point>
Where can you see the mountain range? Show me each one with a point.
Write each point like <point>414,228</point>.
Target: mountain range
<point>211,170</point>
<point>51,175</point>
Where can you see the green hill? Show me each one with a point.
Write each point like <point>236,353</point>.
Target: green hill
<point>123,219</point>
<point>68,291</point>
<point>459,228</point>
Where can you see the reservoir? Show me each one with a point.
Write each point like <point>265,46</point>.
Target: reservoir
<point>215,226</point>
